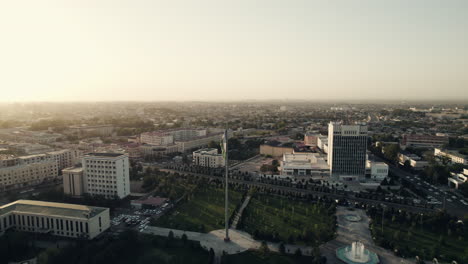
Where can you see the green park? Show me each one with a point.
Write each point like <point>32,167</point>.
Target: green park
<point>283,219</point>
<point>200,211</point>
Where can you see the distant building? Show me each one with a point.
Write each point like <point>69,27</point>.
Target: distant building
<point>304,164</point>
<point>60,219</point>
<point>100,130</point>
<point>414,160</point>
<point>28,174</point>
<point>453,155</point>
<point>310,139</point>
<point>153,151</point>
<point>73,181</point>
<point>275,151</point>
<point>208,157</point>
<point>107,174</point>
<point>157,138</point>
<point>423,141</point>
<point>347,146</point>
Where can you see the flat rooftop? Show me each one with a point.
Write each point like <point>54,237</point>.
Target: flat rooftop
<point>103,154</point>
<point>73,169</point>
<point>52,209</point>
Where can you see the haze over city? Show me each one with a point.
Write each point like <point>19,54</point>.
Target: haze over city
<point>206,50</point>
<point>226,132</point>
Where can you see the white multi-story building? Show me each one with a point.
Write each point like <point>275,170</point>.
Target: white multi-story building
<point>65,158</point>
<point>453,155</point>
<point>60,219</point>
<point>304,164</point>
<point>208,157</point>
<point>157,138</point>
<point>28,174</point>
<point>347,146</point>
<point>198,142</point>
<point>106,174</point>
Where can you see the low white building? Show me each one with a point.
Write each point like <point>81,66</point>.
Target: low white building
<point>60,219</point>
<point>304,164</point>
<point>377,171</point>
<point>453,155</point>
<point>456,179</point>
<point>208,157</point>
<point>414,160</point>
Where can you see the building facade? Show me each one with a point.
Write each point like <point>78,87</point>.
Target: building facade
<point>304,164</point>
<point>453,155</point>
<point>208,157</point>
<point>106,174</point>
<point>73,181</point>
<point>423,141</point>
<point>28,174</point>
<point>60,219</point>
<point>347,146</point>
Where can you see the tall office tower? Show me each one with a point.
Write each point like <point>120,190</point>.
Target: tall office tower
<point>106,174</point>
<point>347,145</point>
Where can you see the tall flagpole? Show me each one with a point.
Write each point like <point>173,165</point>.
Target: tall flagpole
<point>226,219</point>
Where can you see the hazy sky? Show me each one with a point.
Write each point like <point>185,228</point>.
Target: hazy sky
<point>242,49</point>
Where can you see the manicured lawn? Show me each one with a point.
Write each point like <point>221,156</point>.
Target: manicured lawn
<point>202,212</point>
<point>291,221</point>
<point>255,257</point>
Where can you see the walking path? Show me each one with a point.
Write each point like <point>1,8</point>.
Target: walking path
<point>240,241</point>
<point>349,232</point>
<point>238,215</point>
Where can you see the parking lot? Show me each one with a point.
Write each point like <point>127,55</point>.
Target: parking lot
<point>138,219</point>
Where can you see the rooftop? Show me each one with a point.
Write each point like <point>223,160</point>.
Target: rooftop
<point>103,154</point>
<point>51,209</point>
<point>73,169</point>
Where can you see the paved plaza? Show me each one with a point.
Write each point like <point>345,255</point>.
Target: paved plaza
<point>349,231</point>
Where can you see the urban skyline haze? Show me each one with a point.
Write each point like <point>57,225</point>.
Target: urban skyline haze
<point>210,50</point>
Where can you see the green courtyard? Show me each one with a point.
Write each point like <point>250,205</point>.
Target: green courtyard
<point>201,211</point>
<point>276,218</point>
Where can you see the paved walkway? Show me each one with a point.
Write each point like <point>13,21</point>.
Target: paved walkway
<point>240,241</point>
<point>239,213</point>
<point>349,232</point>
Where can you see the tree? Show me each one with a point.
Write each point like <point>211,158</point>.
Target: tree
<point>184,239</point>
<point>391,151</point>
<point>282,248</point>
<point>264,250</point>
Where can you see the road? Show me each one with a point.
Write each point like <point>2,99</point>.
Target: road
<point>452,205</point>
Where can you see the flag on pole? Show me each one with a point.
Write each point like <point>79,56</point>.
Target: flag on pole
<point>223,144</point>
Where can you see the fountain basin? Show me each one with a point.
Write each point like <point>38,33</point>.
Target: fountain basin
<point>352,218</point>
<point>356,254</point>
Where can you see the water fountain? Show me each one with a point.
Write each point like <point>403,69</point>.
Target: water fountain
<point>356,253</point>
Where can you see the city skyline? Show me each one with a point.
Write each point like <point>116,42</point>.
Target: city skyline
<point>216,50</point>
